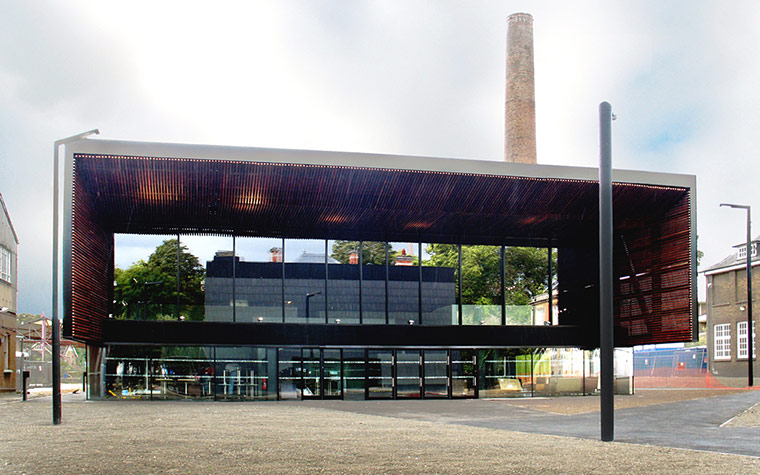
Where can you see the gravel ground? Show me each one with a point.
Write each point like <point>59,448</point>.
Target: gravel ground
<point>749,418</point>
<point>199,437</point>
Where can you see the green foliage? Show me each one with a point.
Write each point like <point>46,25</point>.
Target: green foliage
<point>372,252</point>
<point>525,272</point>
<point>148,290</point>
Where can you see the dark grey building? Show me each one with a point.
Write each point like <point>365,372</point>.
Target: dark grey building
<point>260,294</point>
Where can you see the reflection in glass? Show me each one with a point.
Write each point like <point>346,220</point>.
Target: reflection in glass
<point>183,372</point>
<point>258,282</point>
<point>311,373</point>
<point>408,379</point>
<point>305,281</point>
<point>506,373</point>
<point>290,372</point>
<point>373,281</point>
<point>481,285</point>
<point>436,370</point>
<point>464,367</point>
<point>332,379</point>
<point>353,373</point>
<point>207,290</point>
<point>145,277</point>
<point>379,374</point>
<point>343,282</point>
<point>439,288</point>
<point>244,373</point>
<point>403,285</point>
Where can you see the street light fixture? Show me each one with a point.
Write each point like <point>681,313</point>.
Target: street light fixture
<point>56,320</point>
<point>750,328</point>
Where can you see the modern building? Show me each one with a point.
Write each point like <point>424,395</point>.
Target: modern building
<point>727,341</point>
<point>116,187</point>
<point>8,294</point>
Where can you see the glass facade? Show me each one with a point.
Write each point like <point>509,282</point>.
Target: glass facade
<point>315,281</point>
<point>242,373</point>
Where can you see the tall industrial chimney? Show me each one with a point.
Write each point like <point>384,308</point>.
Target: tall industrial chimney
<point>520,107</point>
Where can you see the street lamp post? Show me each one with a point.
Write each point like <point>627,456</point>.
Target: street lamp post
<point>56,320</point>
<point>750,329</point>
<point>308,296</point>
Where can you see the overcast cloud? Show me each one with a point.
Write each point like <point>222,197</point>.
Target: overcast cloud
<point>417,78</point>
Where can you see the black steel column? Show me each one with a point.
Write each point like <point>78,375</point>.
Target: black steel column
<point>387,309</point>
<point>459,282</point>
<point>361,278</point>
<point>234,269</point>
<point>419,283</point>
<point>282,285</point>
<point>178,276</point>
<point>606,342</point>
<point>503,282</point>
<point>326,316</point>
<point>551,289</point>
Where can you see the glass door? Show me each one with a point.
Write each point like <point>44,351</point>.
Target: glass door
<point>380,374</point>
<point>436,371</point>
<point>312,387</point>
<point>464,373</point>
<point>290,371</point>
<point>354,363</point>
<point>332,377</point>
<point>408,378</point>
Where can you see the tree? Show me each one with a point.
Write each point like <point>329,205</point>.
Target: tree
<point>373,252</point>
<point>148,290</point>
<point>525,272</point>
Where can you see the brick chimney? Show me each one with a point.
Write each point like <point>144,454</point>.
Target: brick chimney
<point>353,258</point>
<point>520,105</point>
<point>275,254</point>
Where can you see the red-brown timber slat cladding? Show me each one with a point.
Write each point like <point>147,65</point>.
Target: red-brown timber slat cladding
<point>91,268</point>
<point>146,195</point>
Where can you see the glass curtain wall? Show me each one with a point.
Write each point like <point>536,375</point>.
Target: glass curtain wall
<point>505,372</point>
<point>403,285</point>
<point>481,285</point>
<point>145,277</point>
<point>245,373</point>
<point>527,278</point>
<point>440,269</point>
<point>206,287</point>
<point>305,289</point>
<point>373,284</point>
<point>343,274</point>
<point>258,282</point>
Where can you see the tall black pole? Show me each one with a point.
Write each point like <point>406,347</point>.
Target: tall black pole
<point>178,277</point>
<point>56,242</point>
<point>750,327</point>
<point>605,273</point>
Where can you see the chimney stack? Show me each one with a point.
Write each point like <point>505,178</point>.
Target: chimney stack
<point>520,107</point>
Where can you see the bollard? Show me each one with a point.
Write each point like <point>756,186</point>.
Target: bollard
<point>24,378</point>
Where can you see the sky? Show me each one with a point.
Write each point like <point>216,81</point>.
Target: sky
<point>397,77</point>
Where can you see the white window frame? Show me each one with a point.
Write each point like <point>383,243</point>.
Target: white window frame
<point>741,341</point>
<point>722,341</point>
<point>6,263</point>
<point>743,251</point>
